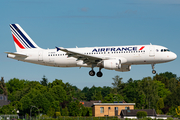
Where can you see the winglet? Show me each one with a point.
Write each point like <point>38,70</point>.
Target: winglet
<point>58,49</point>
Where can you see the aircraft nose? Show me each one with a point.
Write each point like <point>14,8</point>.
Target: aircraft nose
<point>173,56</point>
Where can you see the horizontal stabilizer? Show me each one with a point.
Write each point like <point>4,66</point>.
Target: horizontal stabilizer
<point>17,54</point>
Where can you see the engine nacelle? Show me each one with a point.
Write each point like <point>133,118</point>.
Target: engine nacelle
<point>124,68</point>
<point>112,64</point>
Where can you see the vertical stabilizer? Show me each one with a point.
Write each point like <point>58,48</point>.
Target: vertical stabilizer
<point>21,38</point>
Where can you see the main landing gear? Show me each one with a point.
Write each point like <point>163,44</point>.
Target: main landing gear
<point>91,73</point>
<point>99,74</point>
<point>153,71</point>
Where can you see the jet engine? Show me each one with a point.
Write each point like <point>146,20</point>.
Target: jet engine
<point>112,64</point>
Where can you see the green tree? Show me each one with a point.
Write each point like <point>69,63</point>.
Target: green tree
<point>131,91</point>
<point>56,82</point>
<point>173,99</point>
<point>55,105</point>
<point>42,105</point>
<point>150,90</point>
<point>8,109</point>
<point>96,95</point>
<point>3,87</point>
<point>58,114</point>
<point>178,110</point>
<point>159,106</point>
<point>58,93</point>
<point>169,79</point>
<point>34,98</point>
<point>117,84</point>
<point>17,105</point>
<point>44,81</point>
<point>51,112</point>
<point>49,96</point>
<point>16,84</point>
<point>65,112</point>
<point>141,114</point>
<point>162,91</point>
<point>111,98</point>
<point>142,100</point>
<point>84,111</point>
<point>26,104</point>
<point>173,84</point>
<point>105,91</point>
<point>92,93</point>
<point>1,91</point>
<point>75,108</point>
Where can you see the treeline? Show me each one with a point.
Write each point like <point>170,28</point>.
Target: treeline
<point>162,92</point>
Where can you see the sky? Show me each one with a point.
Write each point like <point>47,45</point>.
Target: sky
<point>83,23</point>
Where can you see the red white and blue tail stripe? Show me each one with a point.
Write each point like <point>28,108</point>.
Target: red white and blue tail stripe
<point>21,38</point>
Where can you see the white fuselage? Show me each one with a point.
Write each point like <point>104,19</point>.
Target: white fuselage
<point>134,55</point>
<point>119,58</point>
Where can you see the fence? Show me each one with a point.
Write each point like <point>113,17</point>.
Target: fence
<point>9,117</point>
<point>16,117</point>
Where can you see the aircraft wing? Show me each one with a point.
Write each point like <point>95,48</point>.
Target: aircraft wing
<point>17,54</point>
<point>88,59</point>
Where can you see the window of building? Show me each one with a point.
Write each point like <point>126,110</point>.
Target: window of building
<point>1,97</point>
<point>5,98</point>
<point>101,109</point>
<point>116,108</point>
<point>127,108</point>
<point>109,108</point>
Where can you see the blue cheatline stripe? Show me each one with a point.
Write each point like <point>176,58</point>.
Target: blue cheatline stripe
<point>25,38</point>
<point>19,37</point>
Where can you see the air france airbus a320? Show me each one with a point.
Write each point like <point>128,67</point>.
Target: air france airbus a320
<point>118,58</point>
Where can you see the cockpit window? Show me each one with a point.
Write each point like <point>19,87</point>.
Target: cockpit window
<point>165,50</point>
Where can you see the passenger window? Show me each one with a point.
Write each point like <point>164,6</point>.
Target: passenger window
<point>166,50</point>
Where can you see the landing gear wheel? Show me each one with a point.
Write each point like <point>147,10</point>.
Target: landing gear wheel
<point>91,73</point>
<point>154,72</point>
<point>99,74</point>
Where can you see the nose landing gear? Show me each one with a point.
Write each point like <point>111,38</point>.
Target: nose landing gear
<point>153,71</point>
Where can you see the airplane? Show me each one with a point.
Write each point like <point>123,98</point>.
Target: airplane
<point>118,58</point>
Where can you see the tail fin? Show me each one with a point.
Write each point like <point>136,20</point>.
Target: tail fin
<point>21,38</point>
